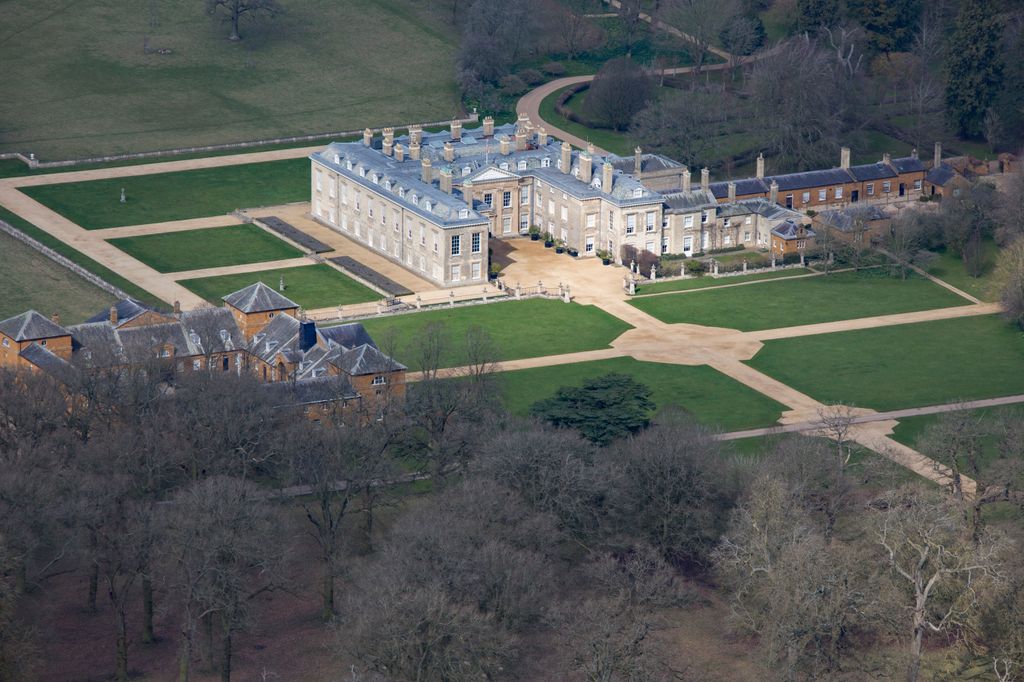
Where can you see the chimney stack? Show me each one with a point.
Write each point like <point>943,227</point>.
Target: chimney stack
<point>523,120</point>
<point>399,152</point>
<point>425,172</point>
<point>415,134</point>
<point>542,136</point>
<point>177,308</point>
<point>456,130</point>
<point>938,155</point>
<point>467,193</point>
<point>760,166</point>
<point>607,177</point>
<point>307,335</point>
<point>887,159</point>
<point>449,152</point>
<point>55,318</point>
<point>488,126</point>
<point>414,151</point>
<point>446,180</point>
<point>505,145</point>
<point>113,314</point>
<point>686,178</point>
<point>732,191</point>
<point>844,158</point>
<point>637,161</point>
<point>368,137</point>
<point>705,178</point>
<point>566,157</point>
<point>773,193</point>
<point>586,167</point>
<point>389,141</point>
<point>521,136</point>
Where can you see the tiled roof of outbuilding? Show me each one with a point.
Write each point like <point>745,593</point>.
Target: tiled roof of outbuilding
<point>258,298</point>
<point>30,325</point>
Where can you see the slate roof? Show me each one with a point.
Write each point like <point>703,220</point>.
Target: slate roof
<point>908,164</point>
<point>744,187</point>
<point>310,391</point>
<point>941,174</point>
<point>649,163</point>
<point>127,310</point>
<point>789,229</point>
<point>347,335</point>
<point>141,344</point>
<point>280,334</point>
<point>808,179</point>
<point>212,330</point>
<point>872,171</point>
<point>30,325</point>
<point>258,298</point>
<point>688,202</point>
<point>366,359</point>
<point>845,218</point>
<point>52,364</point>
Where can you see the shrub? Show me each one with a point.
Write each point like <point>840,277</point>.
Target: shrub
<point>531,76</point>
<point>513,85</point>
<point>724,249</point>
<point>629,254</point>
<point>695,268</point>
<point>554,69</point>
<point>620,89</point>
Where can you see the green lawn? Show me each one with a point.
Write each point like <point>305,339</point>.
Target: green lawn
<point>617,143</point>
<point>788,303</point>
<point>711,397</point>
<point>708,282</point>
<point>85,84</point>
<point>518,329</point>
<point>30,280</point>
<point>95,204</point>
<point>910,429</point>
<point>951,269</point>
<point>78,258</point>
<point>311,286</point>
<point>206,248</point>
<point>909,365</point>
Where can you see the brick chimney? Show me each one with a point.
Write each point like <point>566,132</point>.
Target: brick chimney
<point>55,318</point>
<point>504,145</point>
<point>425,173</point>
<point>705,178</point>
<point>467,193</point>
<point>415,134</point>
<point>488,126</point>
<point>521,138</point>
<point>542,136</point>
<point>607,177</point>
<point>760,166</point>
<point>113,314</point>
<point>368,137</point>
<point>937,161</point>
<point>686,179</point>
<point>446,179</point>
<point>773,192</point>
<point>887,159</point>
<point>456,128</point>
<point>414,151</point>
<point>389,141</point>
<point>844,158</point>
<point>586,167</point>
<point>566,157</point>
<point>449,152</point>
<point>637,161</point>
<point>732,191</point>
<point>399,152</point>
<point>177,308</point>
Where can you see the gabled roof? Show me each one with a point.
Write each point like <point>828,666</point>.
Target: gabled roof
<point>744,187</point>
<point>258,298</point>
<point>808,179</point>
<point>213,330</point>
<point>490,173</point>
<point>310,391</point>
<point>30,326</point>
<point>280,334</point>
<point>53,365</point>
<point>687,202</point>
<point>941,174</point>
<point>366,359</point>
<point>908,164</point>
<point>844,219</point>
<point>347,335</point>
<point>872,171</point>
<point>789,229</point>
<point>127,310</point>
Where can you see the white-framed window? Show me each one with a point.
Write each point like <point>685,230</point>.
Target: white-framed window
<point>428,205</point>
<point>415,199</point>
<point>456,245</point>
<point>332,190</point>
<point>436,240</point>
<point>664,244</point>
<point>521,165</point>
<point>423,263</point>
<point>506,225</point>
<point>801,244</point>
<point>7,342</point>
<point>506,199</point>
<point>369,209</point>
<point>524,195</point>
<point>456,273</point>
<point>463,213</point>
<point>870,189</point>
<point>822,194</point>
<point>611,221</point>
<point>466,170</point>
<point>631,223</point>
<point>748,220</point>
<point>727,222</point>
<point>917,185</point>
<point>319,181</point>
<point>488,198</point>
<point>564,196</point>
<point>565,212</point>
<point>589,245</point>
<point>591,220</point>
<point>475,270</point>
<point>638,192</point>
<point>503,165</point>
<point>551,207</point>
<point>839,193</point>
<point>474,242</point>
<point>687,244</point>
<point>649,219</point>
<point>197,364</point>
<point>524,222</point>
<point>649,246</point>
<point>805,197</point>
<point>545,162</point>
<point>886,187</point>
<point>379,380</point>
<point>344,195</point>
<point>687,221</point>
<point>362,172</point>
<point>540,201</point>
<point>704,215</point>
<point>727,240</point>
<point>746,236</point>
<point>423,235</point>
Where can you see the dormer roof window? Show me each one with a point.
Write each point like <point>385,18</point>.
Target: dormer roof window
<point>637,193</point>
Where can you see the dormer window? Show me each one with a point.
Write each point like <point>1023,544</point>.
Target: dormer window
<point>375,178</point>
<point>362,172</point>
<point>576,172</point>
<point>379,380</point>
<point>415,200</point>
<point>428,205</point>
<point>259,337</point>
<point>337,159</point>
<point>401,192</point>
<point>271,345</point>
<point>224,335</point>
<point>503,165</point>
<point>521,165</point>
<point>463,212</point>
<point>466,170</point>
<point>348,164</point>
<point>387,185</point>
<point>637,193</point>
<point>545,162</point>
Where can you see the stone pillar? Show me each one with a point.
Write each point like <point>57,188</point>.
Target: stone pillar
<point>488,126</point>
<point>419,302</point>
<point>714,268</point>
<point>844,158</point>
<point>368,137</point>
<point>686,179</point>
<point>760,166</point>
<point>449,152</point>
<point>773,261</point>
<point>415,134</point>
<point>638,161</point>
<point>802,263</point>
<point>451,299</point>
<point>607,177</point>
<point>566,157</point>
<point>485,294</point>
<point>504,146</point>
<point>399,153</point>
<point>566,297</point>
<point>414,151</point>
<point>389,141</point>
<point>744,265</point>
<point>654,274</point>
<point>586,167</point>
<point>426,174</point>
<point>732,191</point>
<point>519,291</point>
<point>632,287</point>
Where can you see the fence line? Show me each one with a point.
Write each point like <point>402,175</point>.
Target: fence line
<point>90,277</point>
<point>33,162</point>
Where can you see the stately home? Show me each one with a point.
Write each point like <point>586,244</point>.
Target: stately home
<point>431,201</point>
<point>258,330</point>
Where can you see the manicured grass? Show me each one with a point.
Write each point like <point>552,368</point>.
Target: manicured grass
<point>29,279</point>
<point>617,143</point>
<point>810,300</point>
<point>79,258</point>
<point>951,269</point>
<point>708,282</point>
<point>95,204</point>
<point>518,329</point>
<point>909,365</point>
<point>86,85</point>
<point>910,429</point>
<point>206,248</point>
<point>311,286</point>
<point>711,397</point>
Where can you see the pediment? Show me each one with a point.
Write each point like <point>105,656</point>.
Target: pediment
<point>492,174</point>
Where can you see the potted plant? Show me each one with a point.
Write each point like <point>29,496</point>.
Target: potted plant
<point>605,256</point>
<point>559,246</point>
<point>573,252</point>
<point>534,233</point>
<point>549,241</point>
<point>495,271</point>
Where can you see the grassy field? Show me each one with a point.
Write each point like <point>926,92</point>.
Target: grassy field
<point>206,248</point>
<point>709,282</point>
<point>711,397</point>
<point>31,280</point>
<point>95,204</point>
<point>909,365</point>
<point>617,143</point>
<point>519,329</point>
<point>311,286</point>
<point>951,269</point>
<point>910,430</point>
<point>809,300</point>
<point>79,258</point>
<point>87,83</point>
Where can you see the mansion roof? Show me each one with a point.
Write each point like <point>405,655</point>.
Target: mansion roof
<point>258,298</point>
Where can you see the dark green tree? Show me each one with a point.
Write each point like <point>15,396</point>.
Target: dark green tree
<point>620,89</point>
<point>889,24</point>
<point>603,409</point>
<point>974,68</point>
<point>813,14</point>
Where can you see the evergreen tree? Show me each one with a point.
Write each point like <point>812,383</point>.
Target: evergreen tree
<point>813,14</point>
<point>604,409</point>
<point>889,23</point>
<point>974,69</point>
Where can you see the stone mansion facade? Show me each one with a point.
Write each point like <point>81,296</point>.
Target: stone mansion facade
<point>432,201</point>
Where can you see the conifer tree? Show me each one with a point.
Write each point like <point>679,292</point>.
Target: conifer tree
<point>974,69</point>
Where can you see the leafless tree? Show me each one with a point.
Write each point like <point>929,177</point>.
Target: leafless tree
<point>836,421</point>
<point>237,10</point>
<point>1009,281</point>
<point>702,20</point>
<point>1011,209</point>
<point>906,243</point>
<point>940,568</point>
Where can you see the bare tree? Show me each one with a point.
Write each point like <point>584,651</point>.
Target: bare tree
<point>237,10</point>
<point>940,568</point>
<point>836,421</point>
<point>702,20</point>
<point>1009,280</point>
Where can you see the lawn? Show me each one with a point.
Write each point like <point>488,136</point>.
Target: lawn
<point>711,397</point>
<point>31,280</point>
<point>708,282</point>
<point>910,365</point>
<point>311,286</point>
<point>951,269</point>
<point>518,329</point>
<point>90,78</point>
<point>809,300</point>
<point>160,197</point>
<point>78,258</point>
<point>206,248</point>
<point>910,429</point>
<point>610,140</point>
